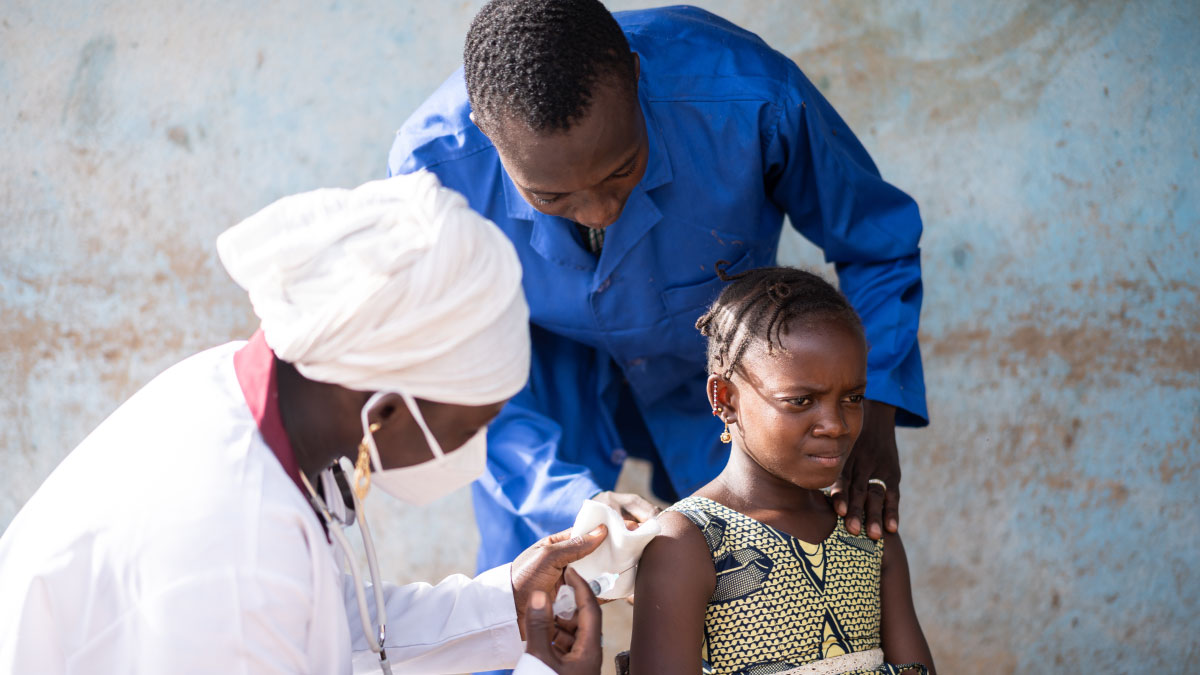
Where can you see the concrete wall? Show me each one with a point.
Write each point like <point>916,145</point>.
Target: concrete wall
<point>1050,510</point>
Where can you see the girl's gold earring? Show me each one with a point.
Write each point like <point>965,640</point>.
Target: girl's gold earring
<point>718,410</point>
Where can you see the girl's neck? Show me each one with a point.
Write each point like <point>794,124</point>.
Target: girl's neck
<point>747,488</point>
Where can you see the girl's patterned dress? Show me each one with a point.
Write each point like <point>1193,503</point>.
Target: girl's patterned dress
<point>781,603</point>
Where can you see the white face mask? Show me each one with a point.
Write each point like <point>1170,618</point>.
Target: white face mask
<point>430,480</point>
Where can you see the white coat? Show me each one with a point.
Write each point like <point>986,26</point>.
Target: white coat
<point>172,541</point>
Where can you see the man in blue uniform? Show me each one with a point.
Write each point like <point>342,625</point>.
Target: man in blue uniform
<point>624,158</point>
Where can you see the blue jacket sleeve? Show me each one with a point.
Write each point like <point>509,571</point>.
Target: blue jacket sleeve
<point>527,483</point>
<point>547,450</point>
<point>823,178</point>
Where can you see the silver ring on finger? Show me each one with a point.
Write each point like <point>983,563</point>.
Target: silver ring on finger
<point>879,482</point>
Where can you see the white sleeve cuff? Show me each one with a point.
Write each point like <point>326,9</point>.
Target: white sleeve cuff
<point>506,635</point>
<point>531,665</point>
<point>458,625</point>
<point>499,579</point>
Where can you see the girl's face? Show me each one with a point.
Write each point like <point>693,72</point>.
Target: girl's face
<point>797,411</point>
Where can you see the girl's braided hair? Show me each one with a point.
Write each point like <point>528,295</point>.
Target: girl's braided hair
<point>760,305</point>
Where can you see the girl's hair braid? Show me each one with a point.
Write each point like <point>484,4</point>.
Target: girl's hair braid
<point>760,305</point>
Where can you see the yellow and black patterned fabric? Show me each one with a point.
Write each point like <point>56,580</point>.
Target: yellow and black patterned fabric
<point>780,602</point>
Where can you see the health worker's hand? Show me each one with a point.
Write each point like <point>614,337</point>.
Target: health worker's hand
<point>540,567</point>
<point>874,456</point>
<point>567,647</point>
<point>630,506</point>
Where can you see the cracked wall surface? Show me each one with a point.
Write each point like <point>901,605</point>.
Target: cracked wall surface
<point>1050,509</point>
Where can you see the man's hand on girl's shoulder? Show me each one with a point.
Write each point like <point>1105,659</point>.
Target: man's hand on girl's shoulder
<point>869,489</point>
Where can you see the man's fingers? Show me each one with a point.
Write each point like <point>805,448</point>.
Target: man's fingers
<point>568,625</point>
<point>563,641</point>
<point>632,507</point>
<point>856,500</point>
<point>640,509</point>
<point>838,492</point>
<point>556,538</point>
<point>539,624</point>
<point>565,536</point>
<point>875,497</point>
<point>576,547</point>
<point>588,615</point>
<point>891,508</point>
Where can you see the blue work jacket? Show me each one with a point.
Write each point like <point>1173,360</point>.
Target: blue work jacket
<point>738,138</point>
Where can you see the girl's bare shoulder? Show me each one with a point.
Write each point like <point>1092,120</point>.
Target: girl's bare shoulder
<point>679,552</point>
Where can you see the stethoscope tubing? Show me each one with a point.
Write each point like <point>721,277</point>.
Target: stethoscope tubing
<point>336,527</point>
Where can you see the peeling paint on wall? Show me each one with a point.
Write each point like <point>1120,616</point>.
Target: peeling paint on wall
<point>1050,510</point>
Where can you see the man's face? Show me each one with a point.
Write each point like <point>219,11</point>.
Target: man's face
<point>586,173</point>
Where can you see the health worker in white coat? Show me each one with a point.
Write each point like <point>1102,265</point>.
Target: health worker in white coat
<point>199,528</point>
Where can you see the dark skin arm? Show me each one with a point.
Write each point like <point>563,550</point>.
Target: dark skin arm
<point>900,632</point>
<point>675,579</point>
<point>874,456</point>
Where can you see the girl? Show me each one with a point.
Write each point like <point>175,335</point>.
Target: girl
<point>755,573</point>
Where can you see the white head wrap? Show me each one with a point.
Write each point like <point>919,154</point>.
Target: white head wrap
<point>396,285</point>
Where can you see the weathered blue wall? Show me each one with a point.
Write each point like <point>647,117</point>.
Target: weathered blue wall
<point>1050,510</point>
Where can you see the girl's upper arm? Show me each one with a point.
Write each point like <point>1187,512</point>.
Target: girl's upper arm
<point>900,633</point>
<point>675,579</point>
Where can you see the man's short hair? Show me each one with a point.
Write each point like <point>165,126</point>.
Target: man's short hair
<point>537,61</point>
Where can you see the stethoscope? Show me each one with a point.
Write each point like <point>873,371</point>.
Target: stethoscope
<point>336,521</point>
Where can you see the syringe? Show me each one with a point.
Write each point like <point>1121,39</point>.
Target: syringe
<point>564,602</point>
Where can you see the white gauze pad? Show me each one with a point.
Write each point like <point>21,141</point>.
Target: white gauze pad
<point>620,551</point>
